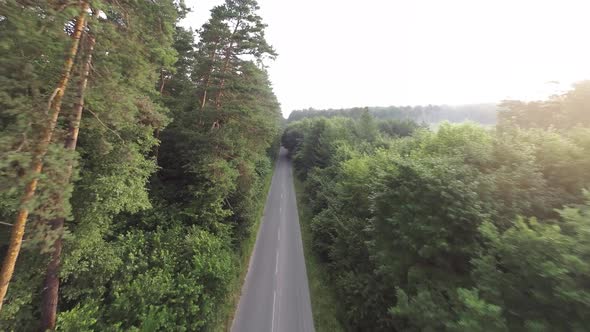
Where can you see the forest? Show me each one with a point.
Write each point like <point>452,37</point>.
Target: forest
<point>136,154</point>
<point>484,114</point>
<point>134,157</point>
<point>462,228</point>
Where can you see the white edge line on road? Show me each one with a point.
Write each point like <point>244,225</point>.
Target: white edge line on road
<point>274,299</point>
<point>279,235</point>
<point>277,263</point>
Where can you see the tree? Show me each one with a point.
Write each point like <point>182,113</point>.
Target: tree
<point>39,152</point>
<point>536,272</point>
<point>125,57</point>
<point>145,187</point>
<point>221,142</point>
<point>51,285</point>
<point>560,112</point>
<point>234,31</point>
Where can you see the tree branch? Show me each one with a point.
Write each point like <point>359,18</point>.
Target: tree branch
<point>103,124</point>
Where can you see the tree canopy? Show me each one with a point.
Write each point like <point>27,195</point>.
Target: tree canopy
<point>462,228</point>
<point>485,114</point>
<point>138,221</point>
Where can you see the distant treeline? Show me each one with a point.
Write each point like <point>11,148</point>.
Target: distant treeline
<point>431,114</point>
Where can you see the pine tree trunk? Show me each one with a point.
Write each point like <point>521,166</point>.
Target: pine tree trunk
<point>156,150</point>
<point>204,97</point>
<point>208,78</point>
<point>51,285</point>
<point>226,65</point>
<point>18,229</point>
<point>162,81</point>
<point>223,71</point>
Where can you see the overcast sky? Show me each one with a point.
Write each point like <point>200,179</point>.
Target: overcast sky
<point>346,53</point>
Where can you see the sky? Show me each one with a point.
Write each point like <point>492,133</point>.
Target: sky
<point>349,53</point>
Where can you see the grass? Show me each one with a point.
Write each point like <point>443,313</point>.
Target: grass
<point>227,312</point>
<point>325,307</point>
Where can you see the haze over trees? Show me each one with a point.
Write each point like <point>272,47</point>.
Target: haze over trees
<point>485,114</point>
<point>465,228</point>
<point>134,155</point>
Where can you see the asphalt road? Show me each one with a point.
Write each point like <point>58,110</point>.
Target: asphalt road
<point>275,295</point>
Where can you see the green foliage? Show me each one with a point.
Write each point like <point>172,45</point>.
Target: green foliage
<point>474,314</point>
<point>432,210</point>
<point>429,114</point>
<point>564,111</point>
<point>327,310</point>
<point>31,51</point>
<point>293,136</point>
<point>164,192</point>
<point>423,232</point>
<point>541,263</point>
<point>398,128</point>
<point>172,279</point>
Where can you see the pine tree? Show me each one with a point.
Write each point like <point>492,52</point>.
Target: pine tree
<point>235,30</point>
<point>51,284</point>
<point>236,115</point>
<point>99,217</point>
<point>42,145</point>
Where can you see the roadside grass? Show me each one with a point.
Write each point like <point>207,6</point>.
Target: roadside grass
<point>227,312</point>
<point>324,305</point>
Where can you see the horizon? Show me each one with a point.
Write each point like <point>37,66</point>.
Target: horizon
<point>391,55</point>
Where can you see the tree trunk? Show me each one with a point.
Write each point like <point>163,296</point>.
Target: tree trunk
<point>223,71</point>
<point>162,81</point>
<point>204,97</point>
<point>51,285</point>
<point>226,65</point>
<point>208,78</point>
<point>18,229</point>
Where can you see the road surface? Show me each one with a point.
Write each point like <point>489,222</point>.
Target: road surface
<point>275,295</point>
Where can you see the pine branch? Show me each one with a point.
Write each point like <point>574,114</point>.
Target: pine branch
<point>103,124</point>
<point>51,98</point>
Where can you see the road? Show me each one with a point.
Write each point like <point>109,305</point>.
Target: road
<point>275,295</point>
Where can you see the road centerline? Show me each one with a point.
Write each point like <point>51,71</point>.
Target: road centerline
<point>289,307</point>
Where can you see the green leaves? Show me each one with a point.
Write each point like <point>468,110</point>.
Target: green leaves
<point>540,263</point>
<point>157,214</point>
<point>172,279</point>
<point>562,112</point>
<point>474,314</point>
<point>423,233</point>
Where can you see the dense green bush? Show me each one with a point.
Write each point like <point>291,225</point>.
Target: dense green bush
<point>180,275</point>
